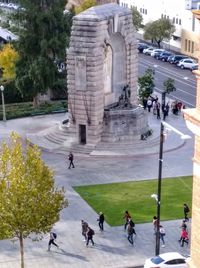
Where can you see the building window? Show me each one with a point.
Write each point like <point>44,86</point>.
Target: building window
<point>168,17</point>
<point>189,44</point>
<point>176,20</point>
<point>146,11</point>
<point>173,21</point>
<point>140,10</point>
<point>186,43</point>
<point>192,47</point>
<point>179,22</point>
<point>161,16</point>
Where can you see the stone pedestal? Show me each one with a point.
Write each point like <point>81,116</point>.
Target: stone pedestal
<point>125,125</point>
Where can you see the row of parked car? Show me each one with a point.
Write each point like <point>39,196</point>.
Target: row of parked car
<point>182,61</point>
<point>9,5</point>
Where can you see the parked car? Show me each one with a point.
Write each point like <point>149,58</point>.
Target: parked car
<point>176,58</point>
<point>164,55</point>
<point>147,51</point>
<point>170,259</point>
<point>155,51</point>
<point>187,63</point>
<point>195,67</point>
<point>142,46</point>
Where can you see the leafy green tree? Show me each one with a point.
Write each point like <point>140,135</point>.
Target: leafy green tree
<point>146,84</point>
<point>85,5</point>
<point>43,37</point>
<point>29,201</point>
<point>159,30</point>
<point>137,18</point>
<point>169,87</point>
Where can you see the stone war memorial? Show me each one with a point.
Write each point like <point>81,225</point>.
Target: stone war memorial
<point>102,70</point>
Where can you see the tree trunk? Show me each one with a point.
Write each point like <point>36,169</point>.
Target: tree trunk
<point>35,101</point>
<point>21,242</point>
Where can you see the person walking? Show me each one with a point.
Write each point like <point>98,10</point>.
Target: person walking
<point>130,232</point>
<point>184,237</point>
<point>155,220</point>
<point>53,236</point>
<point>158,110</point>
<point>183,226</point>
<point>84,226</point>
<point>101,221</point>
<point>90,233</point>
<point>186,210</point>
<point>126,217</point>
<point>71,159</point>
<point>162,235</point>
<point>149,104</point>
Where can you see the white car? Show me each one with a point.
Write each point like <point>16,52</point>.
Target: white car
<point>147,51</point>
<point>155,51</point>
<point>187,63</point>
<point>167,260</point>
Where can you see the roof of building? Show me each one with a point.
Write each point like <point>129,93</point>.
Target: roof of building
<point>103,12</point>
<point>7,35</point>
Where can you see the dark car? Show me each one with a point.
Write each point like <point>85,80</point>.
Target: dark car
<point>176,58</point>
<point>142,46</point>
<point>164,55</point>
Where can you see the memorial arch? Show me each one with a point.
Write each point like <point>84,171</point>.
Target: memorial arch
<point>101,60</point>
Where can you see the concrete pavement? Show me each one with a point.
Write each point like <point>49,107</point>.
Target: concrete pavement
<point>111,247</point>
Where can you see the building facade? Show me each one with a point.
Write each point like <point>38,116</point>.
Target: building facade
<point>192,117</point>
<point>185,38</point>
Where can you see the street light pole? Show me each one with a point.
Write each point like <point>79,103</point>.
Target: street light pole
<point>157,249</point>
<point>3,103</point>
<point>158,195</point>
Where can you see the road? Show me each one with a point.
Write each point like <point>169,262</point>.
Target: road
<point>185,80</point>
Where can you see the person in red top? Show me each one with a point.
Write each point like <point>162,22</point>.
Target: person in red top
<point>126,217</point>
<point>184,237</point>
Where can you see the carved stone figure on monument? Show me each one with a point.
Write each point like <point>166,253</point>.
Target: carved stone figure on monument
<point>107,69</point>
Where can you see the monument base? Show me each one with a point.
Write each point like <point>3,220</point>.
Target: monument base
<point>124,125</point>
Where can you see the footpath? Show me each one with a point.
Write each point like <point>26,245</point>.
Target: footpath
<point>111,247</point>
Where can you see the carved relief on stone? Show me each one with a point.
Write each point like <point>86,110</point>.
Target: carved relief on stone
<point>107,69</point>
<point>80,73</point>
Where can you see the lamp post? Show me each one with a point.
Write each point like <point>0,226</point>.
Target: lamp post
<point>3,103</point>
<point>158,195</point>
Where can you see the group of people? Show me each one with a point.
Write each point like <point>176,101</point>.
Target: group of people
<point>152,103</point>
<point>184,237</point>
<point>129,225</point>
<point>88,232</point>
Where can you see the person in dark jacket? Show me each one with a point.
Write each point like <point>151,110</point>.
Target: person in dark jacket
<point>186,210</point>
<point>101,220</point>
<point>89,234</point>
<point>84,226</point>
<point>130,232</point>
<point>71,159</point>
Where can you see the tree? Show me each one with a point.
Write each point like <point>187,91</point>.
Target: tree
<point>43,37</point>
<point>137,18</point>
<point>146,84</point>
<point>8,59</point>
<point>168,88</point>
<point>85,5</point>
<point>29,201</point>
<point>159,30</point>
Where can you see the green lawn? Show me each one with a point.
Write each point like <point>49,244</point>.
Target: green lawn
<point>113,199</point>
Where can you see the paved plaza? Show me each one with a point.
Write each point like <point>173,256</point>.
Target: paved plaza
<point>111,247</point>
